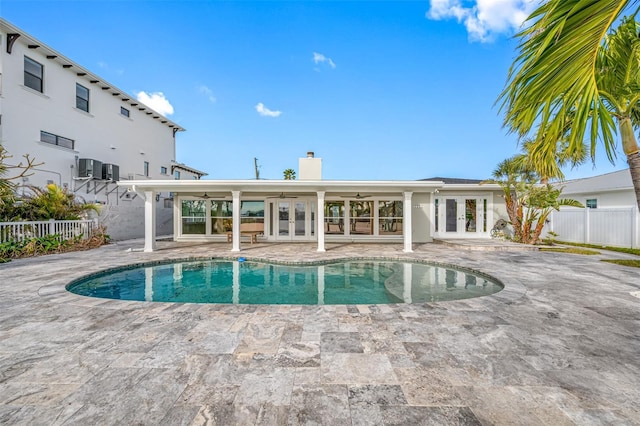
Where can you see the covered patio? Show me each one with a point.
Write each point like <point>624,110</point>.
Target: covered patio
<point>321,211</point>
<point>287,211</point>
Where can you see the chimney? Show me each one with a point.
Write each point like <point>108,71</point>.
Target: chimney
<point>310,168</point>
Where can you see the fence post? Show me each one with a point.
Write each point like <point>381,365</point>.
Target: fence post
<point>586,225</point>
<point>52,227</point>
<point>635,227</point>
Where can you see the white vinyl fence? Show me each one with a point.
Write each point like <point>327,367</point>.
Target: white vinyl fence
<point>65,229</point>
<point>617,227</point>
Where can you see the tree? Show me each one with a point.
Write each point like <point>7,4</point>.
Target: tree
<point>528,203</point>
<point>569,70</point>
<point>289,174</point>
<point>8,183</point>
<point>53,202</point>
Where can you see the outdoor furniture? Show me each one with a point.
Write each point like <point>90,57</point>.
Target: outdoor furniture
<point>250,229</point>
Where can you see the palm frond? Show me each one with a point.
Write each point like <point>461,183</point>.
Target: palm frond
<point>554,75</point>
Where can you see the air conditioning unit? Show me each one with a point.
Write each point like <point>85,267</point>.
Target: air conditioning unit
<point>89,168</point>
<point>110,172</point>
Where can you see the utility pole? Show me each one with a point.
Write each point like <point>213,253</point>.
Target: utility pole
<point>255,165</point>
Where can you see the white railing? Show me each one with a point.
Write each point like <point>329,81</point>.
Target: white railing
<point>619,227</point>
<point>65,229</point>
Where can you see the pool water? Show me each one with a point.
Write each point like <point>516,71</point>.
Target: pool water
<point>340,283</point>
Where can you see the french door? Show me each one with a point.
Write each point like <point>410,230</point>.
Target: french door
<point>295,219</point>
<point>461,216</point>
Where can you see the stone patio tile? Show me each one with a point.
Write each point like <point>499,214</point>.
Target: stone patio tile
<point>263,338</point>
<point>402,415</point>
<point>275,388</point>
<point>376,395</point>
<point>302,354</point>
<point>428,386</point>
<point>357,369</point>
<point>339,342</point>
<point>319,405</point>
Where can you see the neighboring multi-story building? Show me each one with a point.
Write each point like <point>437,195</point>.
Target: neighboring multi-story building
<point>87,133</point>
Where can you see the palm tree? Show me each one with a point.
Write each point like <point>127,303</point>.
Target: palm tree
<point>548,158</point>
<point>528,203</point>
<point>289,174</point>
<point>567,72</point>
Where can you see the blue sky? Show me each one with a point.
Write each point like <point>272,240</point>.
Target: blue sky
<point>378,90</point>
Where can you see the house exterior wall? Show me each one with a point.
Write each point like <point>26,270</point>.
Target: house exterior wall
<point>608,199</point>
<point>421,218</point>
<point>103,133</point>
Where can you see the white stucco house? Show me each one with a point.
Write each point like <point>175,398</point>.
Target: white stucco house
<point>610,216</point>
<point>316,210</point>
<point>87,133</point>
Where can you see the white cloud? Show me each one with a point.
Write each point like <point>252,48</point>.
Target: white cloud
<point>266,112</point>
<point>157,101</point>
<point>319,58</point>
<point>484,19</point>
<point>207,92</point>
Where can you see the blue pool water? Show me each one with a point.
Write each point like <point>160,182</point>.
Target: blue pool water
<point>249,282</point>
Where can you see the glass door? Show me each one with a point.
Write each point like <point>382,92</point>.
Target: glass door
<point>295,220</point>
<point>461,217</point>
<point>283,223</point>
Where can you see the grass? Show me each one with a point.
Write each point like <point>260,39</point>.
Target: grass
<point>626,262</point>
<point>595,246</point>
<point>571,250</point>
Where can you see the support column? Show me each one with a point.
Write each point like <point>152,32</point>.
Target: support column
<point>149,221</point>
<point>320,221</point>
<point>236,221</point>
<point>406,222</point>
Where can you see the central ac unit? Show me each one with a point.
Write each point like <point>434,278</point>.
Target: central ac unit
<point>110,172</point>
<point>89,168</point>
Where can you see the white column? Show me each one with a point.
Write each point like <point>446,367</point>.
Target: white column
<point>236,221</point>
<point>149,221</point>
<point>406,222</point>
<point>320,221</point>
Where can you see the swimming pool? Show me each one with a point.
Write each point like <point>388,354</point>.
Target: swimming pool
<point>256,282</point>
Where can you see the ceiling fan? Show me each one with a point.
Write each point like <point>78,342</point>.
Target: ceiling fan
<point>206,196</point>
<point>282,195</point>
<point>357,196</point>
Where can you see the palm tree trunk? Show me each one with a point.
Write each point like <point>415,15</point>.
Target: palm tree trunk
<point>631,150</point>
<point>634,168</point>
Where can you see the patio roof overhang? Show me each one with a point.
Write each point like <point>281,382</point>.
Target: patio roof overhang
<point>288,186</point>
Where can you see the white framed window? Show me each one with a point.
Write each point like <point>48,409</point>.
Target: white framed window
<point>124,112</point>
<point>47,137</point>
<point>592,203</point>
<point>33,74</point>
<point>82,98</point>
<point>146,168</point>
<point>176,175</point>
<point>163,170</point>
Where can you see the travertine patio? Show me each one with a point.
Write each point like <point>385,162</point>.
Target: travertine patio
<point>560,345</point>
